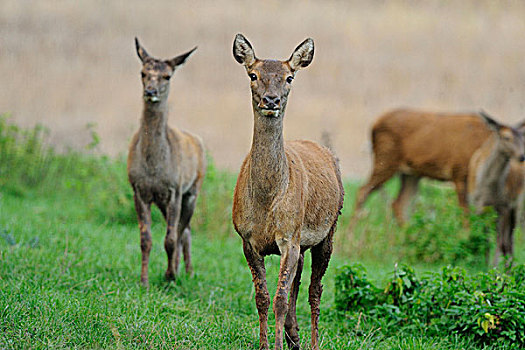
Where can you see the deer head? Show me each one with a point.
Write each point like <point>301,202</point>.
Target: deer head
<point>156,74</point>
<point>510,139</point>
<point>271,79</point>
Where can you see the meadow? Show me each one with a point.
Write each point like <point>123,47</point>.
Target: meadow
<point>69,253</point>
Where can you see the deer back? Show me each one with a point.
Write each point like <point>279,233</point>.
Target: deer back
<point>435,145</point>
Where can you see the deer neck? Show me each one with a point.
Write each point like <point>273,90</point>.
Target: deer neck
<point>496,169</point>
<point>268,164</point>
<point>153,131</point>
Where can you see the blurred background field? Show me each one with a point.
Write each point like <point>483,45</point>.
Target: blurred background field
<point>69,63</point>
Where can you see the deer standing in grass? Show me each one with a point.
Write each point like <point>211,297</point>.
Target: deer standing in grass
<point>165,166</point>
<point>418,144</point>
<point>287,198</point>
<point>496,179</point>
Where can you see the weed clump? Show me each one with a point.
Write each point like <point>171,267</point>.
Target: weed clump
<point>486,308</point>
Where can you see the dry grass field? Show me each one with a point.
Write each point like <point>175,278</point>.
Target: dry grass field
<point>65,64</point>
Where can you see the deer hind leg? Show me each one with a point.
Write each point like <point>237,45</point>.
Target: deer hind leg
<point>187,210</point>
<point>290,324</point>
<point>409,184</point>
<point>262,297</point>
<point>172,234</point>
<point>386,164</point>
<point>321,254</point>
<point>144,216</point>
<point>290,252</point>
<point>461,190</point>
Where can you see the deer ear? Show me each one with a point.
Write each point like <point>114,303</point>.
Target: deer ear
<point>520,126</point>
<point>492,124</point>
<point>141,52</point>
<point>303,55</point>
<point>243,51</point>
<point>177,61</point>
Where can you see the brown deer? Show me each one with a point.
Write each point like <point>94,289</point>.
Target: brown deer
<point>165,166</point>
<point>287,198</point>
<point>419,144</point>
<point>496,179</point>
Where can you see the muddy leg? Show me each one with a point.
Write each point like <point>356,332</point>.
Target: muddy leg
<point>290,324</point>
<point>144,217</point>
<point>321,254</point>
<point>290,252</point>
<point>262,297</point>
<point>406,192</point>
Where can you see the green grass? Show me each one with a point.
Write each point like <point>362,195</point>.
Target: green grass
<point>67,282</point>
<point>70,261</point>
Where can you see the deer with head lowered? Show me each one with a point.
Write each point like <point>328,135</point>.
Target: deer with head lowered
<point>287,198</point>
<point>166,166</point>
<point>496,179</point>
<point>416,144</point>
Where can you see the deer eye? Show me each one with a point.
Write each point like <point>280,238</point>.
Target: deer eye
<point>289,79</point>
<point>142,74</point>
<point>166,77</point>
<point>253,76</point>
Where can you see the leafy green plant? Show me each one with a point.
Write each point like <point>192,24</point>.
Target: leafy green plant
<point>486,307</point>
<point>355,291</point>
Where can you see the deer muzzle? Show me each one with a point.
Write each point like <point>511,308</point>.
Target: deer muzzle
<point>270,106</point>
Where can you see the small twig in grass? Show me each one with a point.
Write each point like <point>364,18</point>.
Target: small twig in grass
<point>82,283</point>
<point>358,321</point>
<point>369,335</point>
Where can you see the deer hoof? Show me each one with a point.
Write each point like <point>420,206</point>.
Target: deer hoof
<point>169,275</point>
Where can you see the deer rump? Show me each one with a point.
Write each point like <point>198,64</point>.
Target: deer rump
<point>438,146</point>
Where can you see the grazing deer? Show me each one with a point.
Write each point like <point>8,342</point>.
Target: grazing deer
<point>165,166</point>
<point>419,144</point>
<point>287,198</point>
<point>496,179</point>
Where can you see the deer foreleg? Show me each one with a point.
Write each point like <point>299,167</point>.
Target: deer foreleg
<point>144,216</point>
<point>290,324</point>
<point>290,252</point>
<point>186,250</point>
<point>504,232</point>
<point>262,298</point>
<point>171,242</point>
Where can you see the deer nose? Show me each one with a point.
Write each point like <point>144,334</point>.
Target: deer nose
<point>150,92</point>
<point>271,102</point>
<point>522,158</point>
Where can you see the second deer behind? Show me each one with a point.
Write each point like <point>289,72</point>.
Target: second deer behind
<point>165,166</point>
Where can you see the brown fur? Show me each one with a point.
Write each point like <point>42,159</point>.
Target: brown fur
<point>165,166</point>
<point>419,144</point>
<point>496,179</point>
<point>287,198</point>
